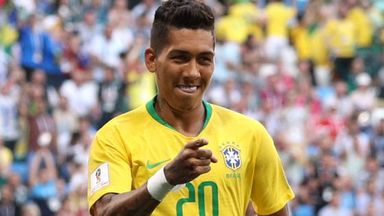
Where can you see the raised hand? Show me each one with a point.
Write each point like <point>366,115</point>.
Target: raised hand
<point>191,162</point>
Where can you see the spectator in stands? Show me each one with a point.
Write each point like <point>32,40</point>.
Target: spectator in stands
<point>52,49</point>
<point>252,55</point>
<point>378,142</point>
<point>304,203</point>
<point>249,101</point>
<point>341,39</point>
<point>105,49</point>
<point>31,209</point>
<point>334,207</point>
<point>364,97</point>
<point>363,29</point>
<point>40,127</point>
<point>140,84</point>
<point>81,92</point>
<point>119,14</point>
<point>342,99</point>
<point>42,179</point>
<point>278,18</point>
<point>66,122</point>
<point>68,10</point>
<point>30,40</point>
<point>88,27</point>
<point>20,191</point>
<point>9,128</point>
<point>8,205</point>
<point>74,55</point>
<point>227,61</point>
<point>39,86</point>
<point>5,162</point>
<point>145,10</point>
<point>110,96</point>
<point>227,95</point>
<point>101,9</point>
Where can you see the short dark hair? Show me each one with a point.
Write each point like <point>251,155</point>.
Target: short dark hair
<point>190,14</point>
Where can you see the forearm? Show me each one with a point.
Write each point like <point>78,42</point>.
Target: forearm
<point>250,211</point>
<point>33,169</point>
<point>188,165</point>
<point>50,163</point>
<point>137,202</point>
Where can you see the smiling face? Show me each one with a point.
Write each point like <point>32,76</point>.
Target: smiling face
<point>183,67</point>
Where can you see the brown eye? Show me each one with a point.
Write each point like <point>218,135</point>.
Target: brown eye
<point>205,60</point>
<point>180,58</point>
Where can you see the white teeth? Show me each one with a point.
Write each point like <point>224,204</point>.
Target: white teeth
<point>188,89</point>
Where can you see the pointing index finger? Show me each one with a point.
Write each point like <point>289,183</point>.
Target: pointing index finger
<point>196,144</point>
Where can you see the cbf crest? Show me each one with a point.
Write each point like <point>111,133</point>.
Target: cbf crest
<point>231,155</point>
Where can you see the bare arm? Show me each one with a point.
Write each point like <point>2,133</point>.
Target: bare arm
<point>136,202</point>
<point>47,157</point>
<point>250,211</point>
<point>190,163</point>
<point>34,168</point>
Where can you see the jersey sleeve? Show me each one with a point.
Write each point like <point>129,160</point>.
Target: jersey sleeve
<point>270,189</point>
<point>109,166</point>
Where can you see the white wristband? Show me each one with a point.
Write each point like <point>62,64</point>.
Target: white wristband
<point>158,185</point>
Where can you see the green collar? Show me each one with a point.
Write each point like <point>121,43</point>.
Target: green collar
<point>151,110</point>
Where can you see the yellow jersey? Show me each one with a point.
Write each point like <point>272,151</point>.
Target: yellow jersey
<point>240,22</point>
<point>133,146</point>
<point>340,37</point>
<point>318,47</point>
<point>278,15</point>
<point>6,157</point>
<point>309,43</point>
<point>250,13</point>
<point>363,26</point>
<point>8,35</point>
<point>301,42</point>
<point>141,88</point>
<point>232,28</point>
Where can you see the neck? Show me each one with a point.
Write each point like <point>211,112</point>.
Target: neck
<point>188,122</point>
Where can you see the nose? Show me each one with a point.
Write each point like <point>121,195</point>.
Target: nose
<point>192,71</point>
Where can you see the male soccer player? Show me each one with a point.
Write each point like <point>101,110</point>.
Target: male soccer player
<point>179,155</point>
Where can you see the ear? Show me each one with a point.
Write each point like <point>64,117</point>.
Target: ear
<point>150,59</point>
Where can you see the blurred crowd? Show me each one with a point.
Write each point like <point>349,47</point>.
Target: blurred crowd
<point>310,70</point>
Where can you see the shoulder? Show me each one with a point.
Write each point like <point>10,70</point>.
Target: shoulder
<point>227,113</point>
<point>120,131</point>
<point>126,121</point>
<point>235,119</point>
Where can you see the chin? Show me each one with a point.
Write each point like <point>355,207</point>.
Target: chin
<point>188,102</point>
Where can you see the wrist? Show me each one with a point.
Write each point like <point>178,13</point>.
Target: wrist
<point>167,176</point>
<point>158,186</point>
